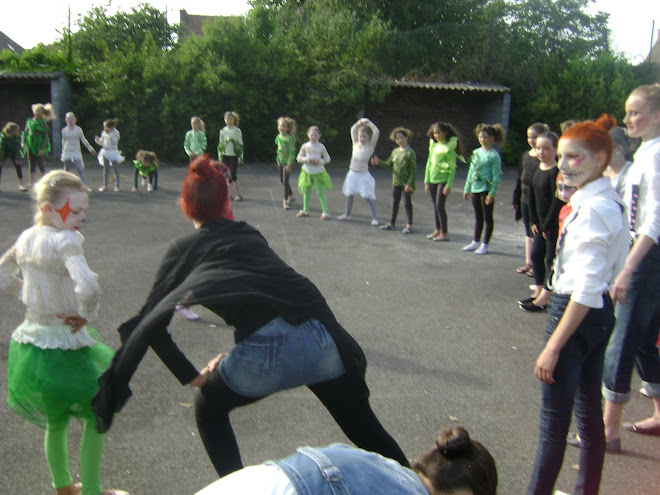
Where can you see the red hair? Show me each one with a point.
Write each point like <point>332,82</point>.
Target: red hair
<point>594,135</point>
<point>205,192</point>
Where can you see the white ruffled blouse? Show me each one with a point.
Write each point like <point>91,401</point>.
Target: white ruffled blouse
<point>55,279</point>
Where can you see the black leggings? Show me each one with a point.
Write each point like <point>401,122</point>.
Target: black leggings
<point>439,210</point>
<point>284,179</point>
<point>17,166</point>
<point>543,254</point>
<point>407,204</point>
<point>36,161</point>
<point>352,413</point>
<point>483,213</point>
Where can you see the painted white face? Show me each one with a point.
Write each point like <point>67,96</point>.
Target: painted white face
<point>577,164</point>
<point>71,214</point>
<point>363,137</point>
<point>565,192</point>
<point>313,136</point>
<point>545,151</point>
<point>642,122</point>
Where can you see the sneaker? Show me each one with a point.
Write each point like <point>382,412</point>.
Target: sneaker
<point>302,213</point>
<point>406,230</point>
<point>344,217</point>
<point>150,188</point>
<point>103,188</point>
<point>285,204</point>
<point>89,189</point>
<point>374,222</point>
<point>387,226</point>
<point>116,189</point>
<point>21,187</point>
<point>134,189</point>
<point>142,181</point>
<point>188,313</point>
<point>471,247</point>
<point>325,216</point>
<point>483,249</point>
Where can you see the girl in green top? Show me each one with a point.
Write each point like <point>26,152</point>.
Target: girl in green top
<point>230,148</point>
<point>36,142</point>
<point>286,155</point>
<point>482,181</point>
<point>404,166</point>
<point>445,144</point>
<point>10,145</point>
<point>194,143</point>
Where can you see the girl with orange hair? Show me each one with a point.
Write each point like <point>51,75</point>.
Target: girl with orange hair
<point>590,252</point>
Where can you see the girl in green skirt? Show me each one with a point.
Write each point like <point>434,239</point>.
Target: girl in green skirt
<point>54,358</point>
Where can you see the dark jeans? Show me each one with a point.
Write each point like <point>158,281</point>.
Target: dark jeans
<point>439,210</point>
<point>483,213</point>
<point>578,377</point>
<point>353,415</point>
<point>543,254</point>
<point>284,179</point>
<point>407,204</point>
<point>633,342</point>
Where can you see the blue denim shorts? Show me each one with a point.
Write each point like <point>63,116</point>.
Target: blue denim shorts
<point>279,356</point>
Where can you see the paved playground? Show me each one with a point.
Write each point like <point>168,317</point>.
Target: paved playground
<point>445,339</point>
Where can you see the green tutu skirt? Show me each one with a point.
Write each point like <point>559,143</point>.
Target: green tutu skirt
<point>305,181</point>
<point>54,383</point>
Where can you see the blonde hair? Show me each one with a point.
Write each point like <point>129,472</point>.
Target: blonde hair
<point>650,93</point>
<point>10,127</point>
<point>53,188</point>
<point>567,124</point>
<point>237,118</point>
<point>401,130</point>
<point>291,124</point>
<point>47,109</point>
<point>201,123</point>
<point>146,157</point>
<point>70,114</point>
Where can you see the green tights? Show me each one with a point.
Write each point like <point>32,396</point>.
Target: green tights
<point>307,194</point>
<point>91,452</point>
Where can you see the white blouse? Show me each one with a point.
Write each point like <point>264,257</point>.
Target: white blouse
<point>313,151</point>
<point>71,139</point>
<point>55,279</point>
<point>645,173</point>
<point>594,244</point>
<point>363,152</point>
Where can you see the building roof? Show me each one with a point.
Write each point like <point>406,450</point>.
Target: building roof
<point>405,83</point>
<point>6,43</point>
<point>30,76</point>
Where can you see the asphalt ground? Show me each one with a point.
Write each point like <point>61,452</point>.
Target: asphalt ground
<point>442,331</point>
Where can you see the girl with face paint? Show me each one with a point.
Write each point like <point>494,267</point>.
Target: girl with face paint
<point>55,359</point>
<point>590,252</point>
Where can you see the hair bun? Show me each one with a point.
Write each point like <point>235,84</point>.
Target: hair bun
<point>454,442</point>
<point>201,167</point>
<point>606,121</point>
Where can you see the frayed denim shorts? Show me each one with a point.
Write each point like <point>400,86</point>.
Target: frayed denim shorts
<point>279,356</point>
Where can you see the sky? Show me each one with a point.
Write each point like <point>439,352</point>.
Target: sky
<point>631,21</point>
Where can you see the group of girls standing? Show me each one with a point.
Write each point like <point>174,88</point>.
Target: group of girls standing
<point>604,313</point>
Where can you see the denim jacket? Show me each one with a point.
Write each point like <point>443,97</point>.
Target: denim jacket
<point>342,470</point>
